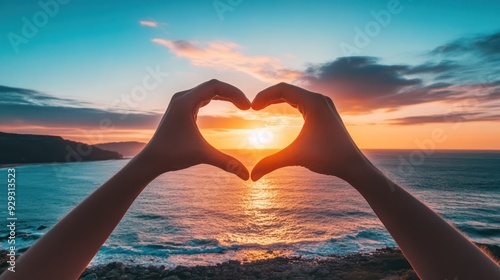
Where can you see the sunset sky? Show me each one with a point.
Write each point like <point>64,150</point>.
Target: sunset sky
<point>401,73</point>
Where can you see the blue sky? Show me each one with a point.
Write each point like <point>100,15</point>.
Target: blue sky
<point>88,40</point>
<point>96,51</point>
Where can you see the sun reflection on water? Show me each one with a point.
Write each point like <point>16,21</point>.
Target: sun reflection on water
<point>260,204</point>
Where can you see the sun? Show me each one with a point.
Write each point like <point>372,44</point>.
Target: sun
<point>260,138</point>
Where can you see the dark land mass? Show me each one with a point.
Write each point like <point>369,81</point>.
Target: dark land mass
<point>387,263</point>
<point>27,148</point>
<point>127,149</point>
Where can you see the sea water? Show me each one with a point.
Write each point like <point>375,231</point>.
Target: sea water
<point>203,215</point>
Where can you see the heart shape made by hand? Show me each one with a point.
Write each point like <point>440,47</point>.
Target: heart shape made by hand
<point>272,128</point>
<point>323,144</point>
<point>252,134</point>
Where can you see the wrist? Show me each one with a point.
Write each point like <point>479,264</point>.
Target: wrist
<point>366,178</point>
<point>149,163</point>
<point>357,168</point>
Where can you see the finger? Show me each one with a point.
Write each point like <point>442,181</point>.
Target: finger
<point>228,163</point>
<point>281,100</point>
<point>222,91</point>
<point>268,164</point>
<point>219,98</point>
<point>279,93</point>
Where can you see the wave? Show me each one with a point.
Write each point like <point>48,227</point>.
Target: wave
<point>480,231</point>
<point>190,247</point>
<point>363,234</point>
<point>150,217</point>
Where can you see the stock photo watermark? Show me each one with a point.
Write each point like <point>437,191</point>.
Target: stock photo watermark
<point>137,95</point>
<point>223,6</point>
<point>427,146</point>
<point>11,219</point>
<point>364,35</point>
<point>31,26</point>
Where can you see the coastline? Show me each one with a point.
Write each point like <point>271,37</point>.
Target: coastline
<point>386,263</point>
<point>11,165</point>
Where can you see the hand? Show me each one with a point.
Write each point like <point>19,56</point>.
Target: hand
<point>177,142</point>
<point>323,145</point>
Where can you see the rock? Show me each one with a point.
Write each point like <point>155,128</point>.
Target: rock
<point>91,276</point>
<point>115,273</point>
<point>115,265</point>
<point>387,263</point>
<point>41,227</point>
<point>172,277</point>
<point>233,263</point>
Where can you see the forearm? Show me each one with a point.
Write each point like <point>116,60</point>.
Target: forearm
<point>435,249</point>
<point>65,250</point>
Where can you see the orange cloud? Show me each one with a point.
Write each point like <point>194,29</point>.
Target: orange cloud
<point>149,23</point>
<point>226,55</point>
<point>228,122</point>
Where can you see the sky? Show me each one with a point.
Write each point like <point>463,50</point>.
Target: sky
<point>409,74</point>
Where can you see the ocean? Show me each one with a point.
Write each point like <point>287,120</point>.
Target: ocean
<point>202,215</point>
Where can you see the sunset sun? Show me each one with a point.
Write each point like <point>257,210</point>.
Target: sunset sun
<point>260,138</point>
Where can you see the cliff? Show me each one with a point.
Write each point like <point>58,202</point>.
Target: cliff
<point>27,148</point>
<point>127,149</point>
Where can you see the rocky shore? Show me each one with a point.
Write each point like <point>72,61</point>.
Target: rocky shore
<point>388,263</point>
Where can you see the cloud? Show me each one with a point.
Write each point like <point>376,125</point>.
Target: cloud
<point>20,106</point>
<point>480,45</point>
<point>227,56</point>
<point>13,95</point>
<point>361,84</point>
<point>465,69</point>
<point>445,118</point>
<point>149,23</point>
<point>30,108</point>
<point>433,68</point>
<point>17,90</point>
<point>476,59</point>
<point>228,122</point>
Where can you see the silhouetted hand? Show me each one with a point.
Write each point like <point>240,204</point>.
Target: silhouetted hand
<point>323,145</point>
<point>177,142</point>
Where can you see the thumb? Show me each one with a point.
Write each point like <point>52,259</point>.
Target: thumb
<point>268,164</point>
<point>228,163</point>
